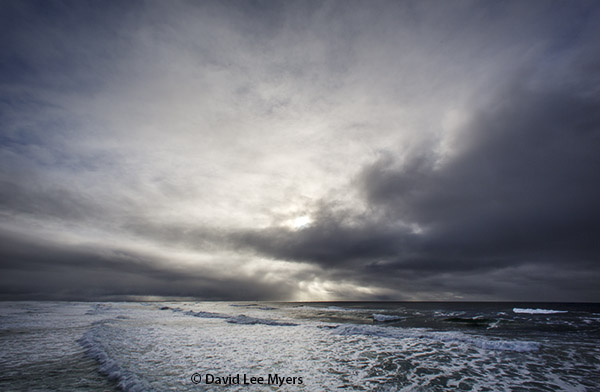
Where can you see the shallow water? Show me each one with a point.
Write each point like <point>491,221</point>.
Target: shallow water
<point>129,346</point>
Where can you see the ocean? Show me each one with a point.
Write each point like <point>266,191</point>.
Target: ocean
<point>275,346</point>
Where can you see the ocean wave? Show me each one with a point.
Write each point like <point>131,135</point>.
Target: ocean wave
<point>328,308</point>
<point>252,306</point>
<point>590,320</point>
<point>243,319</point>
<point>537,311</point>
<point>239,319</point>
<point>446,337</point>
<point>493,325</point>
<point>448,314</point>
<point>126,380</point>
<point>196,314</point>
<point>477,321</point>
<point>98,309</point>
<point>205,314</point>
<point>386,317</point>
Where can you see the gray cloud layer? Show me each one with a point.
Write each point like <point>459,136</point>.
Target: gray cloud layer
<point>334,150</point>
<point>522,194</point>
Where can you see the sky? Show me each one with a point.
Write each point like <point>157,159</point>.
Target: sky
<point>300,150</point>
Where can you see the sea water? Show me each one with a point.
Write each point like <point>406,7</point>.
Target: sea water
<point>259,346</point>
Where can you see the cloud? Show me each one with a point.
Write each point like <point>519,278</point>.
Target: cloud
<point>437,149</point>
<point>521,195</point>
<point>44,269</point>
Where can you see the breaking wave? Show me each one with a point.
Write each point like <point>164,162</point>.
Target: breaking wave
<point>126,380</point>
<point>446,337</point>
<point>239,319</point>
<point>386,317</point>
<point>98,309</point>
<point>243,319</point>
<point>537,311</point>
<point>327,308</point>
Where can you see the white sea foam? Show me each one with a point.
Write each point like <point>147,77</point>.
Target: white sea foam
<point>253,306</point>
<point>338,309</point>
<point>386,317</point>
<point>537,311</point>
<point>328,308</point>
<point>495,324</point>
<point>157,350</point>
<point>126,380</point>
<point>591,320</point>
<point>243,319</point>
<point>448,314</point>
<point>448,337</point>
<point>98,309</point>
<point>206,314</point>
<point>235,319</point>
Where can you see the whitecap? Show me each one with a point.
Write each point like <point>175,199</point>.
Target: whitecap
<point>327,309</point>
<point>98,309</point>
<point>127,381</point>
<point>243,319</point>
<point>206,314</point>
<point>537,311</point>
<point>447,337</point>
<point>386,317</point>
<point>239,319</point>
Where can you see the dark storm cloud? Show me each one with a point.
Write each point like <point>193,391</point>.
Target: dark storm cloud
<point>38,269</point>
<point>523,193</point>
<point>43,200</point>
<point>331,241</point>
<point>529,180</point>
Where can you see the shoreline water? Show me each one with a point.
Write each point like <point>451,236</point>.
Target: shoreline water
<point>395,346</point>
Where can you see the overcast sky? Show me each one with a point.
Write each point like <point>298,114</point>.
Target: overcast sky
<point>300,150</point>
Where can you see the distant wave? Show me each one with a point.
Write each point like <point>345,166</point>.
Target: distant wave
<point>386,317</point>
<point>537,311</point>
<point>494,324</point>
<point>459,337</point>
<point>242,319</point>
<point>127,381</point>
<point>239,319</point>
<point>328,308</point>
<point>205,314</point>
<point>477,321</point>
<point>98,309</point>
<point>253,306</point>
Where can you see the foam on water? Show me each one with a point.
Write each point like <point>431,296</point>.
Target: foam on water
<point>538,311</point>
<point>448,337</point>
<point>158,347</point>
<point>328,308</point>
<point>232,319</point>
<point>386,317</point>
<point>203,314</point>
<point>243,319</point>
<point>255,306</point>
<point>126,380</point>
<point>99,308</point>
